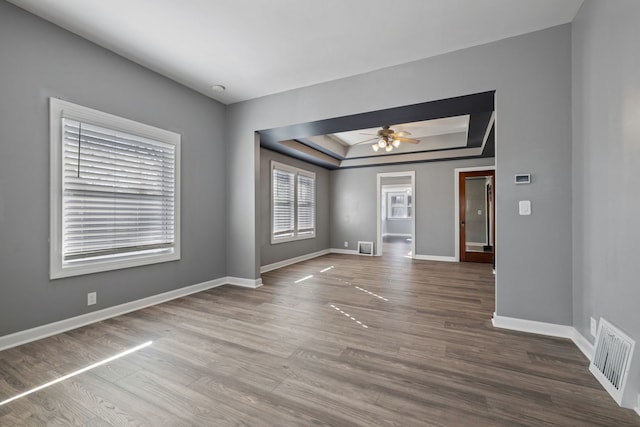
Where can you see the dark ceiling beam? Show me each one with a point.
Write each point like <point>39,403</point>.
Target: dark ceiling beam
<point>468,104</point>
<point>479,106</point>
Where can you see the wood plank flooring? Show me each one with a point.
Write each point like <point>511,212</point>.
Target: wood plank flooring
<point>365,341</point>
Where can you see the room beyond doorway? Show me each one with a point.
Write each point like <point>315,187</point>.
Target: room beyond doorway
<point>397,248</point>
<point>395,209</point>
<point>475,214</point>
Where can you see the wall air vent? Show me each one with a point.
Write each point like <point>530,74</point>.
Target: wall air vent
<point>365,248</point>
<point>611,359</point>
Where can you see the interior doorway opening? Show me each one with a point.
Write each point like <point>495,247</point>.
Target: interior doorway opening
<point>475,214</point>
<point>396,212</point>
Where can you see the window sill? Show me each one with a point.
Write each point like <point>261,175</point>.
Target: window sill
<point>82,267</point>
<point>275,241</point>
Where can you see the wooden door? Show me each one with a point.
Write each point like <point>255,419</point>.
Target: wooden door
<point>477,216</point>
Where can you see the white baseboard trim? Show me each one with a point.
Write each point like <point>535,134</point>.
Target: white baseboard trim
<point>244,283</point>
<point>295,260</point>
<point>637,408</point>
<point>583,344</point>
<point>396,235</point>
<point>44,331</point>
<point>436,258</point>
<point>543,328</point>
<point>344,251</point>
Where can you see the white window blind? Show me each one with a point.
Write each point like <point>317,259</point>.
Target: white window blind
<point>115,192</point>
<point>306,204</point>
<point>118,192</point>
<point>283,183</point>
<point>293,203</point>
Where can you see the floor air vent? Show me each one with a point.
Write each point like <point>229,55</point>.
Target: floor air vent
<point>611,358</point>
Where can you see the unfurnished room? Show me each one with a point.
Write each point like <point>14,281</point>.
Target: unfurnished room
<point>337,213</point>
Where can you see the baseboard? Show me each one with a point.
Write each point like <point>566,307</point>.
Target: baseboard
<point>637,408</point>
<point>436,258</point>
<point>344,251</point>
<point>245,283</point>
<point>295,260</point>
<point>583,344</point>
<point>420,257</point>
<point>542,328</point>
<point>44,331</point>
<point>396,235</point>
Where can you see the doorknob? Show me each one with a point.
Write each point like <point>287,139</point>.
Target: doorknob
<point>462,224</point>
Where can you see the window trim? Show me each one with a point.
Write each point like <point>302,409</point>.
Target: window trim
<point>297,172</point>
<point>59,109</point>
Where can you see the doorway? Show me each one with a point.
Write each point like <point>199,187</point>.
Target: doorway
<point>475,214</point>
<point>395,209</point>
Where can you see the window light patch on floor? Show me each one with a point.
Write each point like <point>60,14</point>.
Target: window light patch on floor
<point>304,278</point>
<point>371,293</point>
<point>338,309</point>
<point>78,372</point>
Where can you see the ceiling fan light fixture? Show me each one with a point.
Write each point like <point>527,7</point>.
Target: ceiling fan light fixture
<point>387,139</point>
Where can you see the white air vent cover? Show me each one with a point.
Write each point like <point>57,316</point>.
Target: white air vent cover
<point>611,359</point>
<point>365,248</point>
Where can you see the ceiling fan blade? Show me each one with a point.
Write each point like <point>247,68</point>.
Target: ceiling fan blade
<point>402,133</point>
<point>366,140</point>
<point>409,140</point>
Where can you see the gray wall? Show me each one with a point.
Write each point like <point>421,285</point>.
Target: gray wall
<point>606,163</point>
<point>39,60</point>
<point>532,78</point>
<point>353,212</point>
<point>270,253</point>
<point>396,226</point>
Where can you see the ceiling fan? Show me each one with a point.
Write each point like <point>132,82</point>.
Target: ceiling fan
<point>387,139</point>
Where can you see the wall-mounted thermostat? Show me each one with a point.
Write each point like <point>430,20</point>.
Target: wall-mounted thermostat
<point>523,178</point>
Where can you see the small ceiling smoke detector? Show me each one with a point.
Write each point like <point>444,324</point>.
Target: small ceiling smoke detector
<point>218,88</point>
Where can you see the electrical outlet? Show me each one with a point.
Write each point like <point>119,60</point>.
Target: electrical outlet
<point>346,244</point>
<point>594,327</point>
<point>92,298</point>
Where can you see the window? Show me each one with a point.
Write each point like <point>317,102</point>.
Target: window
<point>115,199</point>
<point>399,205</point>
<point>293,203</point>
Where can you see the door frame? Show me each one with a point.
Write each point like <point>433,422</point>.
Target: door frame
<point>379,176</point>
<point>456,224</point>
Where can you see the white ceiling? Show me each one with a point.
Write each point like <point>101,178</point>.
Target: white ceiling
<point>261,47</point>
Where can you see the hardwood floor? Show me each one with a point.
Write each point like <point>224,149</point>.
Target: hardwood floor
<point>364,341</point>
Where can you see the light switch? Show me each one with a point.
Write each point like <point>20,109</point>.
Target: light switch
<point>524,207</point>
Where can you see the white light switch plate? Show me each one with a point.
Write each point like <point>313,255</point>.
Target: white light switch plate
<point>524,207</point>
